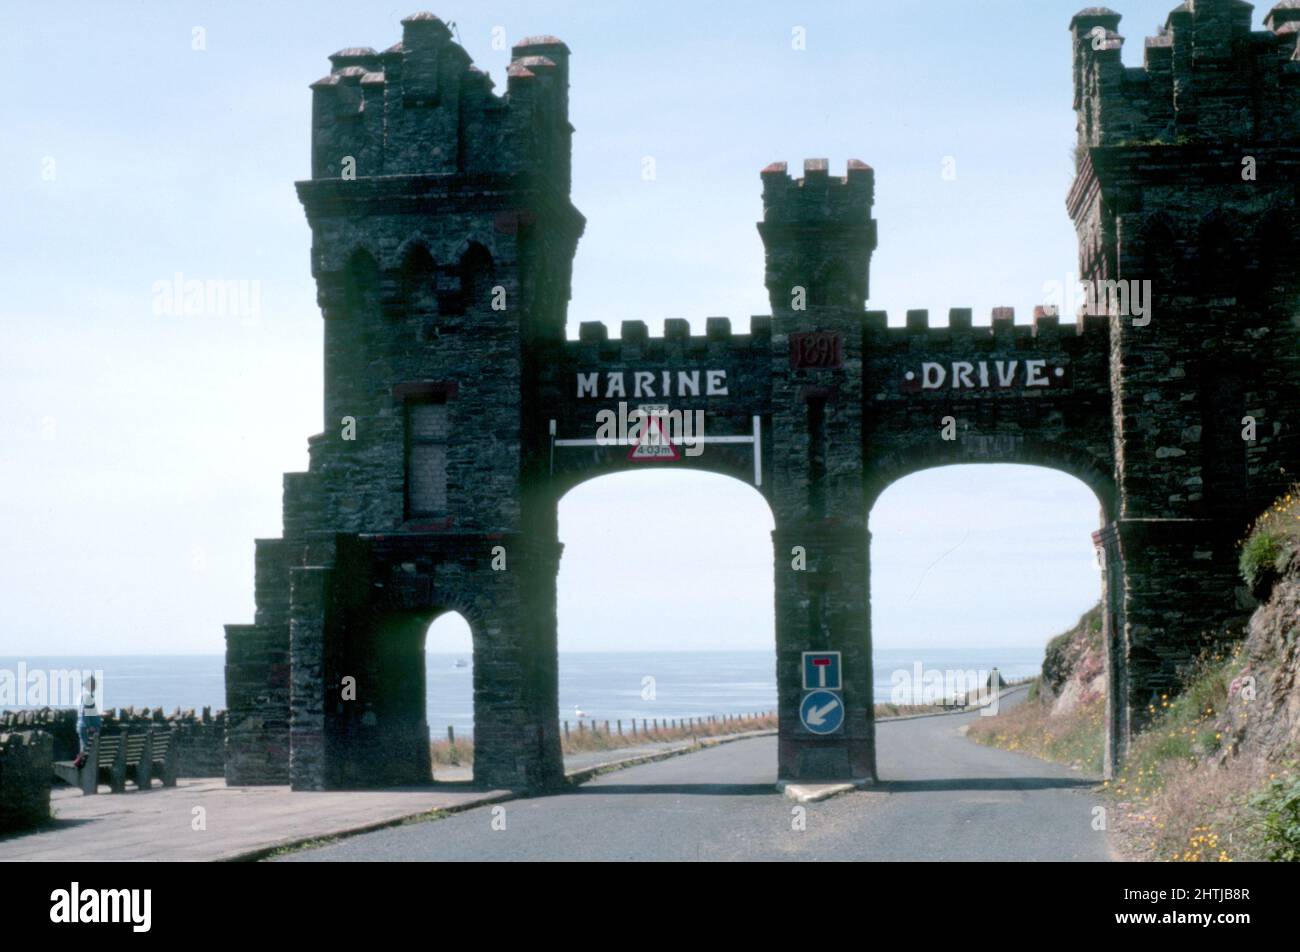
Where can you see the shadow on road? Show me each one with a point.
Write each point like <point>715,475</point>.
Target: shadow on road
<point>52,826</point>
<point>981,783</point>
<point>885,786</point>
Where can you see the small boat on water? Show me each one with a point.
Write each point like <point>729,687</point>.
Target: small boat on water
<point>460,663</point>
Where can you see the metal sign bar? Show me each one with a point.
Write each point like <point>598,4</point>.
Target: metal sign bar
<point>756,440</point>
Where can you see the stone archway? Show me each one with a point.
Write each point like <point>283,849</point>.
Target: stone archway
<point>642,553</point>
<point>489,413</point>
<point>1001,499</point>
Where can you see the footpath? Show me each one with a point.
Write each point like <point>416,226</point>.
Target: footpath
<point>204,820</point>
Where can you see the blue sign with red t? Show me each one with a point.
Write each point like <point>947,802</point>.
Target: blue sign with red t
<point>822,671</point>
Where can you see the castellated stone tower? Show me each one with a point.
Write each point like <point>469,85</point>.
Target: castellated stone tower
<point>1188,169</point>
<point>457,414</point>
<point>819,236</point>
<point>442,246</point>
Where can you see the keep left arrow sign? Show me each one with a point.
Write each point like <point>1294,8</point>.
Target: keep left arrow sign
<point>817,715</point>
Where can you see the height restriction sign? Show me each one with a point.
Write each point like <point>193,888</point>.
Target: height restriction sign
<point>821,671</point>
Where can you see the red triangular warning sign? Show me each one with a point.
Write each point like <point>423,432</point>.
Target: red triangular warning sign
<point>654,446</point>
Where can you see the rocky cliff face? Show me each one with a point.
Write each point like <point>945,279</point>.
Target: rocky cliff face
<point>1074,668</point>
<point>1262,716</point>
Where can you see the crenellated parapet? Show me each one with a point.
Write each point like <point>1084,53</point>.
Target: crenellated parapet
<point>1047,326</point>
<point>634,338</point>
<point>819,235</point>
<point>1206,77</point>
<point>421,107</point>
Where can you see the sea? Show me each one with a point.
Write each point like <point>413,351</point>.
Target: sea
<point>604,686</point>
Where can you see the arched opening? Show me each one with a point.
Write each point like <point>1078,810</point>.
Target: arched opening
<point>1162,263</point>
<point>1218,269</point>
<point>665,596</point>
<point>974,568</point>
<point>419,282</point>
<point>449,698</point>
<point>400,690</point>
<point>475,271</point>
<point>361,286</point>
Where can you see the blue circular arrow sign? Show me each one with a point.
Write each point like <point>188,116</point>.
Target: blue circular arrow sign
<point>822,712</point>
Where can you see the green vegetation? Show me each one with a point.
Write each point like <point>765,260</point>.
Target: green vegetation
<point>1189,791</point>
<point>1075,735</point>
<point>1278,810</point>
<point>1158,141</point>
<point>1174,806</point>
<point>1077,739</point>
<point>1173,799</point>
<point>1271,543</point>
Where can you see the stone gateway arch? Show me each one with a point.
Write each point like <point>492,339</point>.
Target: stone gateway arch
<point>456,412</point>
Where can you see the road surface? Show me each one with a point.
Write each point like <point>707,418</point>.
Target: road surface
<point>942,797</point>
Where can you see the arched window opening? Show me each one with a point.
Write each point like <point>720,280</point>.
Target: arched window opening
<point>361,286</point>
<point>419,282</point>
<point>476,277</point>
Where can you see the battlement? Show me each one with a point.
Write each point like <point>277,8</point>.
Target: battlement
<point>1206,77</point>
<point>1047,325</point>
<point>818,234</point>
<point>421,107</point>
<point>1003,329</point>
<point>634,340</point>
<point>817,198</point>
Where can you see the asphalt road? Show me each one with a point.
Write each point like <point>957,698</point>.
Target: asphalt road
<point>942,797</point>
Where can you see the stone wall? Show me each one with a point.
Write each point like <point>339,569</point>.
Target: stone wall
<point>26,767</point>
<point>1187,185</point>
<point>920,374</point>
<point>201,736</point>
<point>674,370</point>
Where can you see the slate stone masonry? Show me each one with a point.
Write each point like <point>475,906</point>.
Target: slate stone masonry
<point>26,766</point>
<point>443,242</point>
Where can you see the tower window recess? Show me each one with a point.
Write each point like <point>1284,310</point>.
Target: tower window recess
<point>427,431</point>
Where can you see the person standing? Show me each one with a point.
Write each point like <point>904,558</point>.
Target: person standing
<point>89,719</point>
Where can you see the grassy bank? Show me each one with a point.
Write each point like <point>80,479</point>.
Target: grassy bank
<point>1183,794</point>
<point>1077,739</point>
<point>1200,784</point>
<point>1214,776</point>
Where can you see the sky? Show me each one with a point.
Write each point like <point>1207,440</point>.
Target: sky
<point>143,449</point>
